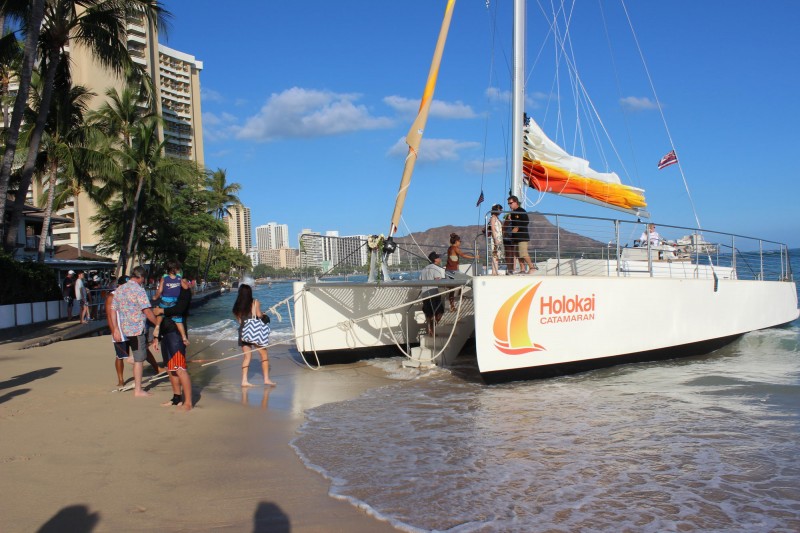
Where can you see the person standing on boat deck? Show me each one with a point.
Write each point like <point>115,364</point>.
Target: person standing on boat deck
<point>432,305</point>
<point>495,235</point>
<point>245,308</point>
<point>133,305</point>
<point>650,235</point>
<point>520,235</point>
<point>173,349</point>
<point>509,248</point>
<point>454,254</point>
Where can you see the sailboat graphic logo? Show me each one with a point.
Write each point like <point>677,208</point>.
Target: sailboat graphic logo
<point>511,334</point>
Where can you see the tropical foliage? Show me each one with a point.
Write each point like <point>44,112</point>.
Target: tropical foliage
<point>150,207</point>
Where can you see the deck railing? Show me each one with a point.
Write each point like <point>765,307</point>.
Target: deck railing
<point>561,237</point>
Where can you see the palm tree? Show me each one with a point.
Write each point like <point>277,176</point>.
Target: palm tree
<point>67,159</point>
<point>100,26</point>
<point>145,164</point>
<point>120,117</point>
<point>32,13</point>
<point>222,195</point>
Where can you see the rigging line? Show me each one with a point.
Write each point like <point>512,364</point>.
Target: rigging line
<point>574,76</point>
<point>661,112</point>
<point>493,34</point>
<point>619,94</point>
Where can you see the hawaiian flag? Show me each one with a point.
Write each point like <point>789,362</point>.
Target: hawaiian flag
<point>669,159</point>
<point>480,199</point>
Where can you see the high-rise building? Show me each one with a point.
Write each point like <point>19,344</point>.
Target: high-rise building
<point>176,79</point>
<point>310,248</point>
<point>239,230</point>
<point>272,236</point>
<point>280,258</point>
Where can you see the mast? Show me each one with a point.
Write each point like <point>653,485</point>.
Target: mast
<point>518,99</point>
<point>414,136</point>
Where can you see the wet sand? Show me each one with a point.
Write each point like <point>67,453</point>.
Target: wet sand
<point>75,456</point>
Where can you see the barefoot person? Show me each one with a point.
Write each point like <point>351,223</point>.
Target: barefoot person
<point>245,308</point>
<point>122,349</point>
<point>133,307</point>
<point>173,348</point>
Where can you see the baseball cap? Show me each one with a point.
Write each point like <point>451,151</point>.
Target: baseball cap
<point>71,272</point>
<point>96,278</point>
<point>433,256</point>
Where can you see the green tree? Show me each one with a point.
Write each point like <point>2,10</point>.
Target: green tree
<point>31,15</point>
<point>101,27</point>
<point>67,158</point>
<point>222,195</point>
<point>119,118</point>
<point>145,164</point>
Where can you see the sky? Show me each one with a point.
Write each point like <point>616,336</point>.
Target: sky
<point>306,104</point>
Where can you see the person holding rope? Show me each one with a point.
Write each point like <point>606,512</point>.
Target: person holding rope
<point>133,307</point>
<point>244,309</point>
<point>432,305</point>
<point>173,349</point>
<point>122,348</point>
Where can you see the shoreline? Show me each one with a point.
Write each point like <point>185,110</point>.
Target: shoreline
<point>90,459</point>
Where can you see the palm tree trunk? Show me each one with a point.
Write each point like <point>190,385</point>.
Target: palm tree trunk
<point>29,58</point>
<point>48,214</point>
<point>129,245</point>
<point>77,210</point>
<point>33,150</point>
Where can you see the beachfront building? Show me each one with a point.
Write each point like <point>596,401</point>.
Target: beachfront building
<point>272,236</point>
<point>239,230</point>
<point>310,249</point>
<point>282,258</point>
<point>176,79</point>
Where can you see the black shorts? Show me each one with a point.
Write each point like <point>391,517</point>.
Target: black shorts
<point>432,307</point>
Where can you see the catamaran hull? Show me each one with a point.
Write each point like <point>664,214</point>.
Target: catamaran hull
<point>556,325</point>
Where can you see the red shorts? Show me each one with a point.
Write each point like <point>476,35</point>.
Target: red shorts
<point>173,351</point>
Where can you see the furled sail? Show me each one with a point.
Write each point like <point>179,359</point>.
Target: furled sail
<point>414,137</point>
<point>548,168</point>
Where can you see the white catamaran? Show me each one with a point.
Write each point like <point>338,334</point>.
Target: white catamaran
<point>589,306</point>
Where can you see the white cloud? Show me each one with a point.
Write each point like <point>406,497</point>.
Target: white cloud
<point>489,166</point>
<point>439,108</point>
<point>432,150</point>
<point>637,103</point>
<point>218,126</point>
<point>210,95</point>
<point>532,100</point>
<point>305,113</point>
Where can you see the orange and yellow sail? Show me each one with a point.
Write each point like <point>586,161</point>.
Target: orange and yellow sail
<point>548,168</point>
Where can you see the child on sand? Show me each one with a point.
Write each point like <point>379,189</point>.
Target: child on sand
<point>169,289</point>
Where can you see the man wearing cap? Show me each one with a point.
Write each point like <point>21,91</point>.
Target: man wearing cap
<point>82,296</point>
<point>68,290</point>
<point>432,305</point>
<point>133,305</point>
<point>122,347</point>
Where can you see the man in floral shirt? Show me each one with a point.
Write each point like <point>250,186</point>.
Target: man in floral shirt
<point>133,307</point>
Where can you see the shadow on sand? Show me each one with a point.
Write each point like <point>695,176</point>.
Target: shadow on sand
<point>22,379</point>
<point>75,518</point>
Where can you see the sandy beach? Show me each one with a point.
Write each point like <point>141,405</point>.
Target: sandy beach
<point>76,456</point>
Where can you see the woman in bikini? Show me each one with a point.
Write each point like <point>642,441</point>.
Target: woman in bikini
<point>454,254</point>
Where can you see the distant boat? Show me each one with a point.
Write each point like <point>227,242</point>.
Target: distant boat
<point>582,308</point>
<point>695,244</point>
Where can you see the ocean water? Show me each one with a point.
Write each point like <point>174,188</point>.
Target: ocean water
<point>706,443</point>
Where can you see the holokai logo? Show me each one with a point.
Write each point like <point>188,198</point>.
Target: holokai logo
<point>572,309</point>
<point>511,334</point>
<point>510,328</point>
